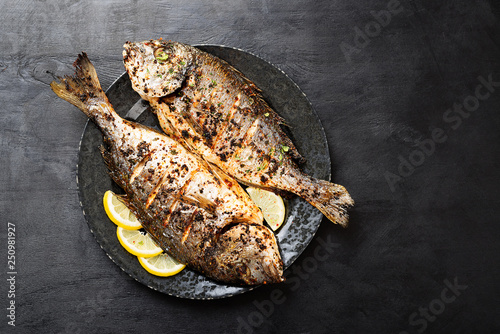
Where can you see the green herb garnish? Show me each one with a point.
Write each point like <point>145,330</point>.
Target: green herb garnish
<point>162,56</point>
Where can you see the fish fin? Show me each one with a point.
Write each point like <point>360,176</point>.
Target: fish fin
<point>161,107</point>
<point>201,202</point>
<point>294,153</point>
<point>81,87</point>
<point>226,68</point>
<point>64,89</point>
<point>128,203</point>
<point>161,110</point>
<point>141,217</point>
<point>331,199</point>
<point>274,120</point>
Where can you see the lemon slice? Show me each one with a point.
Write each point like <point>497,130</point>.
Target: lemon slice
<point>137,243</point>
<point>161,265</point>
<point>119,213</point>
<point>272,206</point>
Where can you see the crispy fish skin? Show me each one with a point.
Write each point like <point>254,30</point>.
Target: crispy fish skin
<point>199,215</point>
<point>222,116</point>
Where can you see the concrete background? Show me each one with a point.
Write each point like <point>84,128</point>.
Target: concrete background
<point>409,95</point>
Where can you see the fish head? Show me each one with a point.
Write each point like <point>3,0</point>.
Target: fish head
<point>249,254</point>
<point>157,67</point>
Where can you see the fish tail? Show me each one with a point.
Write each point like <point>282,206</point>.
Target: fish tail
<point>331,199</point>
<point>81,89</point>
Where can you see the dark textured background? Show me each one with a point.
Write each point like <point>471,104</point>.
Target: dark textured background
<point>438,223</point>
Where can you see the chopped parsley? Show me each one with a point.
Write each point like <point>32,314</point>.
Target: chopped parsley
<point>162,56</point>
<point>262,166</point>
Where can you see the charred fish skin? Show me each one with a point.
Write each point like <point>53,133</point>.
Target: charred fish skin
<point>222,116</point>
<point>191,210</point>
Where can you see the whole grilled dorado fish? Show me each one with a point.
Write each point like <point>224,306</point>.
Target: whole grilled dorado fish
<point>222,116</point>
<point>198,214</point>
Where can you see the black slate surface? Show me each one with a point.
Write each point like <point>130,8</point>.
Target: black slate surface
<point>408,93</point>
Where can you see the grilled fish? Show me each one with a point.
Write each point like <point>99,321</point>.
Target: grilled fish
<point>192,210</point>
<point>221,115</point>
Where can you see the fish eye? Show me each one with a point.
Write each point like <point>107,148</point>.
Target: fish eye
<point>160,55</point>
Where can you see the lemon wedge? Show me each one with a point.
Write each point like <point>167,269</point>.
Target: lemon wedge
<point>119,213</point>
<point>272,206</point>
<point>161,265</point>
<point>137,243</point>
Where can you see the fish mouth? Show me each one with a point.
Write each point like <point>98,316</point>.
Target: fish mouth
<point>252,252</point>
<point>130,53</point>
<point>272,269</point>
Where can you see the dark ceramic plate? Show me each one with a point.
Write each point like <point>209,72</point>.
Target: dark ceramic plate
<point>302,220</point>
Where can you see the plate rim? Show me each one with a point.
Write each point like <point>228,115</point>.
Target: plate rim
<point>242,289</point>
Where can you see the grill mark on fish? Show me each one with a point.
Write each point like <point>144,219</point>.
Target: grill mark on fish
<point>161,181</point>
<point>188,226</point>
<point>191,120</point>
<point>193,199</point>
<point>175,203</point>
<point>226,121</point>
<point>140,166</point>
<point>252,130</point>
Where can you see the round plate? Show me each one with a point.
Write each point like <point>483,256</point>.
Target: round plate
<point>302,220</point>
